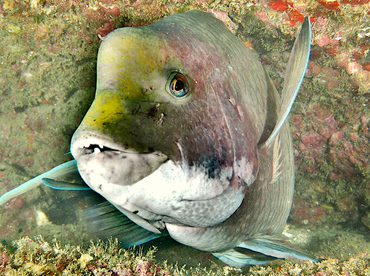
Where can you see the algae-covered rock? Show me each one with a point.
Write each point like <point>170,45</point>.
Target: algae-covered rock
<point>29,256</point>
<point>38,257</point>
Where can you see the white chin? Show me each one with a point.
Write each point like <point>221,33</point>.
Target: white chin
<point>117,167</point>
<point>172,191</point>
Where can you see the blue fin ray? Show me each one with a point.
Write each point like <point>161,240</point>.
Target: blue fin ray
<point>258,251</point>
<point>277,248</point>
<point>236,259</point>
<point>104,220</point>
<point>61,170</point>
<point>64,185</point>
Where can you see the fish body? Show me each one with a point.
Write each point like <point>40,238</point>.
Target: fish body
<point>204,139</point>
<point>188,136</point>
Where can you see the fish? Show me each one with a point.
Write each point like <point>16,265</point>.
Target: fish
<point>188,137</point>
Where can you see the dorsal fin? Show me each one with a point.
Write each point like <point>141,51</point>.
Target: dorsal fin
<point>294,74</point>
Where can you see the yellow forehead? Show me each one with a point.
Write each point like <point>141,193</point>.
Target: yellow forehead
<point>107,107</point>
<point>128,56</point>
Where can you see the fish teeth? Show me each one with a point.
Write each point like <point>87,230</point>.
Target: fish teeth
<point>101,146</point>
<point>97,150</point>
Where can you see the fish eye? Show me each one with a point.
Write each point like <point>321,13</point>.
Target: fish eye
<point>178,85</point>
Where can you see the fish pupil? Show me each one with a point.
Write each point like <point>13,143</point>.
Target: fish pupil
<point>179,86</point>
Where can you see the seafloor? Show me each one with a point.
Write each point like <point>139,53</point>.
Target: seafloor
<point>47,80</point>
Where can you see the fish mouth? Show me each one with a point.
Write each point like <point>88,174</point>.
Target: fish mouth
<point>100,160</point>
<point>89,143</point>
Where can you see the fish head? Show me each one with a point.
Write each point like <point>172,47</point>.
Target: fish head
<point>125,117</point>
<point>158,139</point>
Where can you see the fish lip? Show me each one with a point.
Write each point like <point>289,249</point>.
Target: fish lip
<point>102,161</point>
<point>85,143</point>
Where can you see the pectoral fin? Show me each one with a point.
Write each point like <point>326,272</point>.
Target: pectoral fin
<point>104,220</point>
<point>294,74</point>
<point>258,251</point>
<point>59,171</point>
<point>64,185</point>
<point>236,259</point>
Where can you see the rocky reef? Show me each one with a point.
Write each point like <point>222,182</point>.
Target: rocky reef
<point>38,257</point>
<point>47,82</point>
